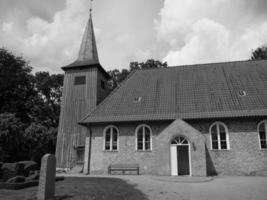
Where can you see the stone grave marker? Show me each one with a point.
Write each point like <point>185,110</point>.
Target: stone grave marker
<point>46,189</point>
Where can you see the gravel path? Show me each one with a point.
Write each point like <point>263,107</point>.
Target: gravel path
<point>220,188</point>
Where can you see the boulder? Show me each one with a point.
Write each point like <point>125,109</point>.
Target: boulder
<point>16,179</point>
<point>33,176</point>
<point>1,170</point>
<point>28,166</point>
<point>10,170</point>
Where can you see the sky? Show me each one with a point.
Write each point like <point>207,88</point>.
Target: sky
<point>48,33</point>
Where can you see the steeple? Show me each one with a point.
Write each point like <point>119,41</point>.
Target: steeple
<point>88,51</point>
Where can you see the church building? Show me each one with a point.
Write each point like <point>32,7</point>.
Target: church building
<point>194,120</point>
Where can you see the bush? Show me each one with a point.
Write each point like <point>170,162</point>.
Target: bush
<point>40,140</point>
<point>12,140</point>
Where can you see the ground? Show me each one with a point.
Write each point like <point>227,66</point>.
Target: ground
<point>151,188</point>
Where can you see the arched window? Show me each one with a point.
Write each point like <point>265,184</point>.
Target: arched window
<point>111,135</point>
<point>262,130</point>
<point>143,138</point>
<point>219,136</point>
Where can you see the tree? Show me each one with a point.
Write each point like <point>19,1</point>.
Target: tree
<point>117,77</point>
<point>260,53</point>
<point>49,89</point>
<point>149,64</point>
<point>40,140</point>
<point>16,85</point>
<point>29,110</point>
<point>12,141</point>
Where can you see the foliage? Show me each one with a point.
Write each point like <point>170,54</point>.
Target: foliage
<point>16,85</point>
<point>29,110</point>
<point>49,89</point>
<point>260,53</point>
<point>40,140</point>
<point>118,76</point>
<point>11,138</point>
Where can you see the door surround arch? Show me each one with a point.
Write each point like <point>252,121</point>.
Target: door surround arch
<point>175,143</point>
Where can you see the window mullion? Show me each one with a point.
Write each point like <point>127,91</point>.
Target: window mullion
<point>143,138</point>
<point>150,137</point>
<point>219,136</point>
<point>111,139</point>
<point>264,139</point>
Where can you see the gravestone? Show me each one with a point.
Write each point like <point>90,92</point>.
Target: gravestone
<point>46,189</point>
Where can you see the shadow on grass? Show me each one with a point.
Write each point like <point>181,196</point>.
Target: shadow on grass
<point>97,188</point>
<point>91,188</point>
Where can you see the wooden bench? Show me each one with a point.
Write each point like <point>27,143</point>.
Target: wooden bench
<point>123,168</point>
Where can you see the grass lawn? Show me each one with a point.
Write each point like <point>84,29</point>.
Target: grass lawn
<point>150,188</point>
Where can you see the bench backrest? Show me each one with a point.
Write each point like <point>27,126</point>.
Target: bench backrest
<point>124,166</point>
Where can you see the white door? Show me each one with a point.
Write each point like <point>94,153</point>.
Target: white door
<point>174,160</point>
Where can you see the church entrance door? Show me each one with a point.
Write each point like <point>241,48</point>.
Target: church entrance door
<point>180,157</point>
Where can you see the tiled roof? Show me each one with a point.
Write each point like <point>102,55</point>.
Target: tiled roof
<point>188,92</point>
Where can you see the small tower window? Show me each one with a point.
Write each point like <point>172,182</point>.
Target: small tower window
<point>103,85</point>
<point>79,80</point>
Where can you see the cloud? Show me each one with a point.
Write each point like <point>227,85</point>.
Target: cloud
<point>211,30</point>
<point>48,44</point>
<point>27,8</point>
<point>7,26</point>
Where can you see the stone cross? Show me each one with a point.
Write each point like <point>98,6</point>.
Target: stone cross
<point>46,189</point>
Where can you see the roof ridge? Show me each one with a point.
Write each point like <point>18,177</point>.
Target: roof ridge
<point>203,64</point>
<point>109,96</point>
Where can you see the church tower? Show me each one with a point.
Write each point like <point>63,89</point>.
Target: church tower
<point>85,85</point>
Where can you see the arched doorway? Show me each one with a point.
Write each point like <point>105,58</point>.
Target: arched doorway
<point>180,156</point>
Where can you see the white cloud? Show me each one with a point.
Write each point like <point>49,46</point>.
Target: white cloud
<point>7,26</point>
<point>209,30</point>
<point>49,44</point>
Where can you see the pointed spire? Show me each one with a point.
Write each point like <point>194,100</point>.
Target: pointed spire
<point>88,50</point>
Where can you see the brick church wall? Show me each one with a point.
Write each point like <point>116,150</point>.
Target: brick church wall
<point>244,157</point>
<point>100,159</point>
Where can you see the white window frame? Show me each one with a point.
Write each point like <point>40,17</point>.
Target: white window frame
<point>111,138</point>
<point>143,137</point>
<point>218,136</point>
<point>258,130</point>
